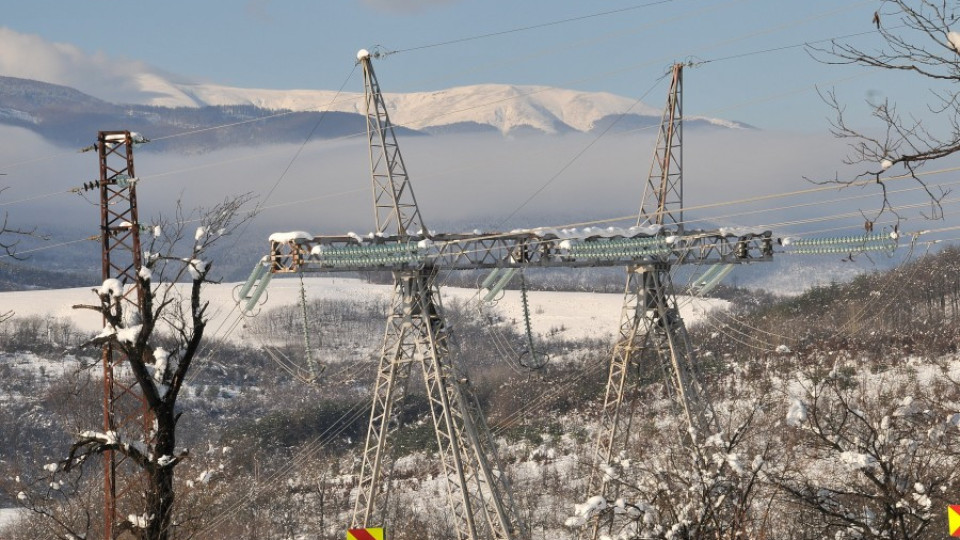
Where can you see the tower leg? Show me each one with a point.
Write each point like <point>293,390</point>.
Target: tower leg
<point>394,369</point>
<point>650,321</point>
<point>478,495</point>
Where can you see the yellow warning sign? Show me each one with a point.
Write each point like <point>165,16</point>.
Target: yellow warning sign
<point>953,519</point>
<point>374,533</point>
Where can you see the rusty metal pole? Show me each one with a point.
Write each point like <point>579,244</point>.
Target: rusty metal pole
<point>125,410</point>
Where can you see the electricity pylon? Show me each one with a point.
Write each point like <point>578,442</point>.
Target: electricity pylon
<point>125,410</point>
<point>650,321</point>
<point>416,332</point>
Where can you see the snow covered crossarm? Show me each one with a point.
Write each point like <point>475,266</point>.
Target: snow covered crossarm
<point>639,246</point>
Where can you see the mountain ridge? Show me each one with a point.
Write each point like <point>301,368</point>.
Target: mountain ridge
<point>505,107</point>
<point>69,117</point>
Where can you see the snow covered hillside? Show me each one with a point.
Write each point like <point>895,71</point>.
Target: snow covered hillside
<point>815,397</point>
<point>571,315</point>
<point>504,107</point>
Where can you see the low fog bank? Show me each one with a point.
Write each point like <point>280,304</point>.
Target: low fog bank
<point>462,182</point>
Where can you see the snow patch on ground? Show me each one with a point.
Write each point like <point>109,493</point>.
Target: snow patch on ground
<point>8,516</point>
<point>578,314</point>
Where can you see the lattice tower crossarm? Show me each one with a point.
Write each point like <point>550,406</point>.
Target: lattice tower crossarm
<point>125,409</point>
<point>302,252</point>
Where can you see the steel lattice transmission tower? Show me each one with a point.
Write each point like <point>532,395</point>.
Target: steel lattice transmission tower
<point>417,334</point>
<point>125,410</point>
<point>650,323</point>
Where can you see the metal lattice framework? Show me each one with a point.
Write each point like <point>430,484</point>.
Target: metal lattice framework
<point>478,494</point>
<point>394,204</point>
<point>663,193</point>
<point>125,410</point>
<point>527,249</point>
<point>650,321</point>
<point>416,333</point>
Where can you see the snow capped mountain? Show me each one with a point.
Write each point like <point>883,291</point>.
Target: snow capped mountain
<point>506,108</point>
<point>163,108</point>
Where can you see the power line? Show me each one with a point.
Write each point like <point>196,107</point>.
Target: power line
<point>293,158</point>
<point>601,75</point>
<point>529,27</point>
<point>582,151</point>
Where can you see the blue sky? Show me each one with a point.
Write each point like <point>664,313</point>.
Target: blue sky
<point>311,44</point>
<point>754,70</point>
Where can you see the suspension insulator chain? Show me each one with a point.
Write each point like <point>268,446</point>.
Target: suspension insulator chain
<point>530,358</point>
<point>311,362</point>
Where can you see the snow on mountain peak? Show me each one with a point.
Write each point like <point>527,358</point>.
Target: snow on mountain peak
<point>504,107</point>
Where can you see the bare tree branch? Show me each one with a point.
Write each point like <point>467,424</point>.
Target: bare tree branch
<point>917,38</point>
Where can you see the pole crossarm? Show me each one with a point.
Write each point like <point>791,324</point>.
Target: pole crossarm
<point>301,252</point>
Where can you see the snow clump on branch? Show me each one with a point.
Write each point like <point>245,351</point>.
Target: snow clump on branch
<point>954,39</point>
<point>197,268</point>
<point>111,288</point>
<point>585,511</point>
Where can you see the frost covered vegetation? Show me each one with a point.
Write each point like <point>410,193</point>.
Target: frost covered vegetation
<point>839,413</point>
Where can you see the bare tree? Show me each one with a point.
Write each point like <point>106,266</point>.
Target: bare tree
<point>875,454</point>
<point>11,236</point>
<point>708,490</point>
<point>167,314</point>
<point>918,38</point>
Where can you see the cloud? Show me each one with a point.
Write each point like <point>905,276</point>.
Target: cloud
<point>404,6</point>
<point>110,78</point>
<point>258,10</point>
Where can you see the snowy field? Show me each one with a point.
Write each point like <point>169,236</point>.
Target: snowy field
<point>578,314</point>
<point>8,516</point>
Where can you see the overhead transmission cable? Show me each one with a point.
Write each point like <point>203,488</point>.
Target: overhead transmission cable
<point>582,151</point>
<point>828,217</point>
<point>529,27</point>
<point>554,50</point>
<point>256,210</point>
<point>357,134</point>
<point>306,452</point>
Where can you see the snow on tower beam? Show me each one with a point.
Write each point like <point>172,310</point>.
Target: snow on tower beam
<point>301,252</point>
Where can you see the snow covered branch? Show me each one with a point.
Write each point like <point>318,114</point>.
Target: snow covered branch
<point>918,38</point>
